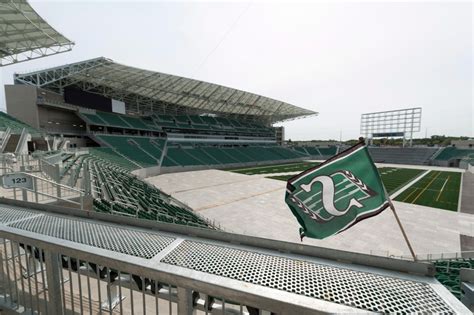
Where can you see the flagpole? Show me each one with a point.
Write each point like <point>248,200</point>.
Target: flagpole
<point>401,228</point>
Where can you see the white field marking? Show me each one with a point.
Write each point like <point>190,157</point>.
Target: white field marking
<point>442,188</point>
<point>408,185</point>
<point>426,187</point>
<point>342,197</point>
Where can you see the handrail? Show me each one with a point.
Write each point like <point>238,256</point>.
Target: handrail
<point>6,137</point>
<point>107,253</point>
<point>51,181</point>
<point>411,267</point>
<point>185,283</point>
<point>439,256</point>
<point>55,185</point>
<point>21,141</point>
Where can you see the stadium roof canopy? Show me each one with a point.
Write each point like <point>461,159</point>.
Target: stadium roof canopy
<point>24,35</point>
<point>146,92</point>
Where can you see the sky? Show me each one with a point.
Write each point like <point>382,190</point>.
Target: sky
<point>341,59</point>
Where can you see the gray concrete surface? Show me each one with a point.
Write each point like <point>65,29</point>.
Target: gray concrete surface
<point>467,197</point>
<point>253,205</point>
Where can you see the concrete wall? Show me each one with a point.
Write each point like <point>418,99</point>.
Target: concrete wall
<point>21,103</point>
<point>463,144</point>
<point>79,142</point>
<point>59,120</point>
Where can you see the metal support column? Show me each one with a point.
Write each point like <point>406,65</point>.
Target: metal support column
<point>54,283</point>
<point>185,301</point>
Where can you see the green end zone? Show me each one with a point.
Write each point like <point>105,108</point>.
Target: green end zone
<point>437,189</point>
<point>392,178</point>
<point>395,178</point>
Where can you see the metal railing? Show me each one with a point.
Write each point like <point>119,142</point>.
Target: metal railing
<point>21,142</point>
<point>5,138</point>
<point>53,171</point>
<point>46,191</point>
<point>53,263</point>
<point>440,256</point>
<point>46,277</point>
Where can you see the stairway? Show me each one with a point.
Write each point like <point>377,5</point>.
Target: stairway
<point>12,143</point>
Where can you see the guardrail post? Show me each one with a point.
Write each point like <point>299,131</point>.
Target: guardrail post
<point>24,194</point>
<point>35,184</point>
<point>185,301</point>
<point>54,283</point>
<point>58,190</point>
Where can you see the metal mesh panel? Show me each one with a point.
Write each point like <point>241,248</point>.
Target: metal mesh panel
<point>122,240</point>
<point>363,290</point>
<point>10,214</point>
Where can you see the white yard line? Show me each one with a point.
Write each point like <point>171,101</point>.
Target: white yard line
<point>460,193</point>
<point>398,192</point>
<point>441,190</point>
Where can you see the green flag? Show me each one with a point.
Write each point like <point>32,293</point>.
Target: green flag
<point>335,195</point>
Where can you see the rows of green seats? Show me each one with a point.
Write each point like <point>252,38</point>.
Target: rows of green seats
<point>238,155</point>
<point>219,155</point>
<point>313,151</point>
<point>16,126</point>
<point>108,154</point>
<point>203,156</point>
<point>135,122</point>
<point>447,272</point>
<point>112,119</point>
<point>126,146</point>
<point>328,152</point>
<point>155,122</point>
<point>259,153</point>
<point>453,152</point>
<point>151,145</point>
<point>287,153</point>
<point>67,164</point>
<point>207,155</point>
<point>119,192</point>
<point>181,156</point>
<point>117,120</point>
<point>75,171</point>
<point>211,124</point>
<point>301,150</point>
<point>93,119</point>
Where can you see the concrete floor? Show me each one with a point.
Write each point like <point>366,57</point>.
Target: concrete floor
<point>254,205</point>
<point>467,198</point>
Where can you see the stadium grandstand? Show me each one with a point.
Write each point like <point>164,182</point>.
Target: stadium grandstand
<point>24,35</point>
<point>152,119</point>
<point>131,191</point>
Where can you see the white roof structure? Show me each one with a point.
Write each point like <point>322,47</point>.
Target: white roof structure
<point>147,92</point>
<point>24,35</point>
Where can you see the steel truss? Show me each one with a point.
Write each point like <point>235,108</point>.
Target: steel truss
<point>24,35</point>
<point>147,92</point>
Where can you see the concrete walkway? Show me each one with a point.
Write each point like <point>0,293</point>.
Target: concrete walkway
<point>253,205</point>
<point>467,196</point>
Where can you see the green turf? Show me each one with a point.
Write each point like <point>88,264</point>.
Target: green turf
<point>280,168</point>
<point>437,189</point>
<point>395,178</point>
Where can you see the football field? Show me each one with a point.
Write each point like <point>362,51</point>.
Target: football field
<point>437,189</point>
<point>392,178</point>
<point>395,178</point>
